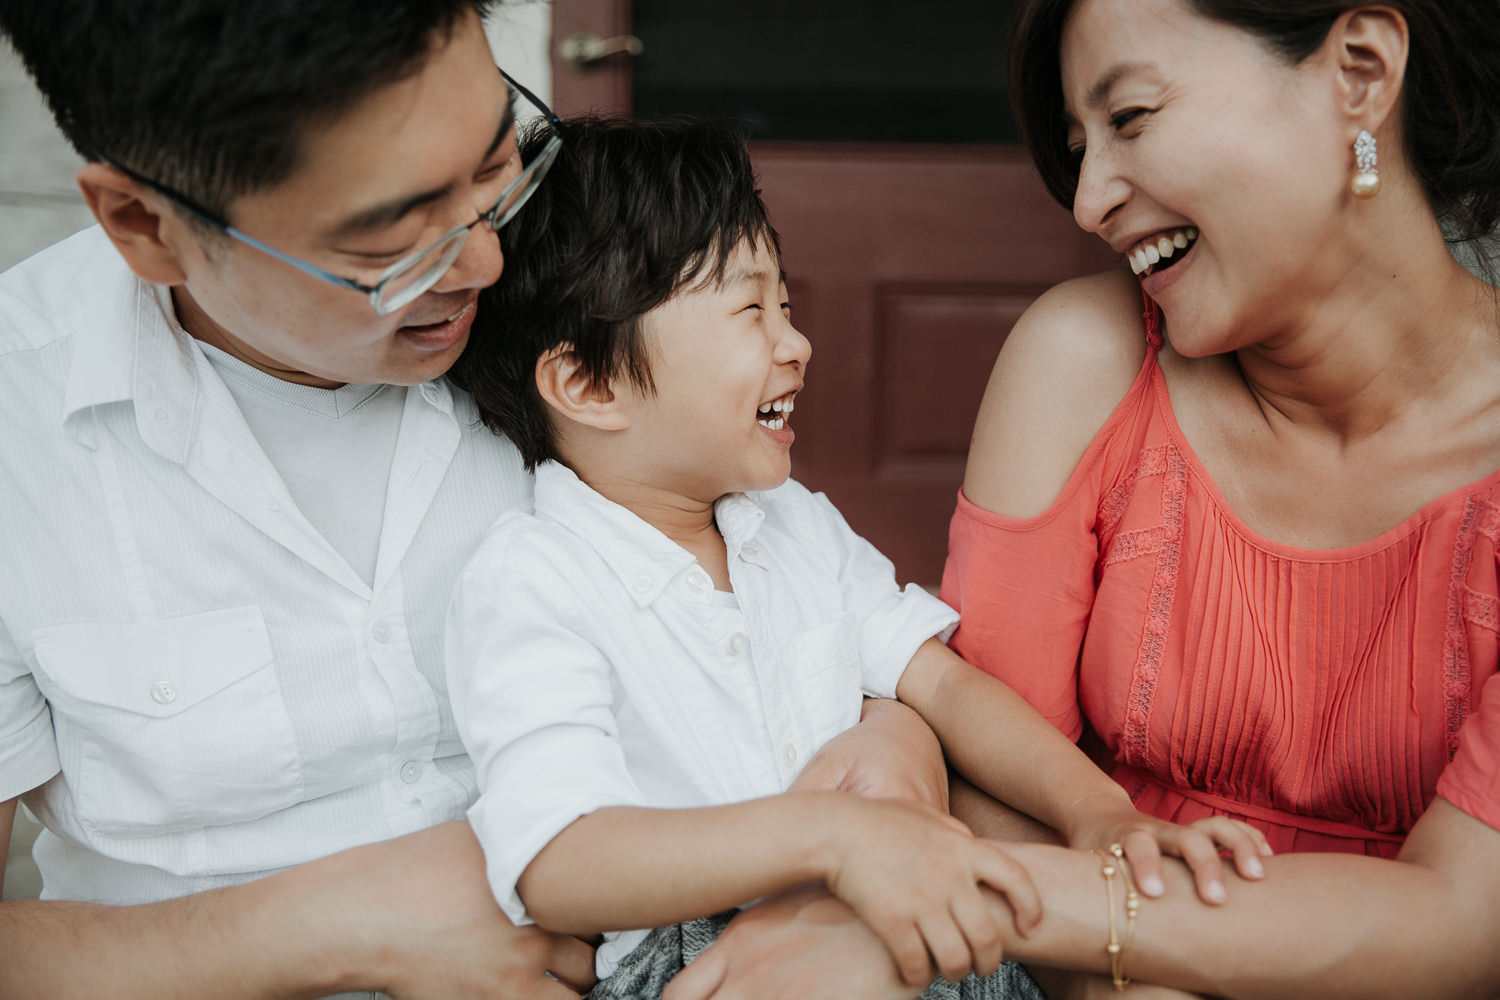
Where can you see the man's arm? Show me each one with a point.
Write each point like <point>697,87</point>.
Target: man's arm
<point>412,917</point>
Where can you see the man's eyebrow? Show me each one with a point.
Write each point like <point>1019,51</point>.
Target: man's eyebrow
<point>392,210</point>
<point>1100,90</point>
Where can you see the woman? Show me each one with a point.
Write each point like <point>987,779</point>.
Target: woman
<point>1247,543</point>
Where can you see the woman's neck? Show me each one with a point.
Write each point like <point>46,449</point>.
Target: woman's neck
<point>1409,327</point>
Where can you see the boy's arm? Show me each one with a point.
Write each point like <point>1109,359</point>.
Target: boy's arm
<point>622,867</point>
<point>998,741</point>
<point>409,916</point>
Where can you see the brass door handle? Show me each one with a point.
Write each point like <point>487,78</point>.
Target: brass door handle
<point>585,49</point>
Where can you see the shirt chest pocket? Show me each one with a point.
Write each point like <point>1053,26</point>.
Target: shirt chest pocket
<point>826,660</point>
<point>171,724</point>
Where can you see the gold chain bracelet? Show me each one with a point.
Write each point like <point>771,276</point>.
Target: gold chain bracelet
<point>1113,864</point>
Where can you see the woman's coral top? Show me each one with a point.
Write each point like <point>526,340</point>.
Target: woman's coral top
<point>1324,695</point>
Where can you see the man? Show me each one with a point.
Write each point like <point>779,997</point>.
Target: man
<point>230,528</point>
<point>236,495</point>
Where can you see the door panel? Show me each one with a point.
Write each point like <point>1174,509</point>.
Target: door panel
<point>908,260</point>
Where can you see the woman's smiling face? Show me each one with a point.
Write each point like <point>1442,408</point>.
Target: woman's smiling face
<point>1195,138</point>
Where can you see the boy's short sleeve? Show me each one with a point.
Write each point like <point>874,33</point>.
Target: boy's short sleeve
<point>893,621</point>
<point>28,746</point>
<point>533,700</point>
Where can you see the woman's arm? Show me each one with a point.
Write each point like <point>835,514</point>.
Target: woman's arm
<point>411,917</point>
<point>1320,926</point>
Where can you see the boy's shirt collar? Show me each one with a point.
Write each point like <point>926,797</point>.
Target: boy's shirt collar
<point>645,560</point>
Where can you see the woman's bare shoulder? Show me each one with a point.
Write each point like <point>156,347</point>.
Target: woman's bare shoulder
<point>1065,367</point>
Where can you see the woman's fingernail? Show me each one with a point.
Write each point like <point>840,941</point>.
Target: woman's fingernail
<point>1152,886</point>
<point>1255,868</point>
<point>1216,892</point>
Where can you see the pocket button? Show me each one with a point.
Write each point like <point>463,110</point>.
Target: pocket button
<point>163,693</point>
<point>411,772</point>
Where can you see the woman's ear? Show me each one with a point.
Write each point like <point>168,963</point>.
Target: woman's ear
<point>131,216</point>
<point>1371,47</point>
<point>567,388</point>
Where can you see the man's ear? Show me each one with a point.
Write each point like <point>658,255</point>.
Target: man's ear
<point>565,386</point>
<point>1371,45</point>
<point>132,217</point>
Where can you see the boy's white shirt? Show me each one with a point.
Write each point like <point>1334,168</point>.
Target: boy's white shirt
<point>592,664</point>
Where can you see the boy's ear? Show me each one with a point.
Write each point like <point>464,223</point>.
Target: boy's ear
<point>565,386</point>
<point>1372,45</point>
<point>131,216</point>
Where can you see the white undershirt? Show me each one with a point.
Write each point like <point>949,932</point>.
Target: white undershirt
<point>333,448</point>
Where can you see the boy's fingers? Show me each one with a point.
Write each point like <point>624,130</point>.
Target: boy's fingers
<point>908,950</point>
<point>986,942</point>
<point>949,949</point>
<point>1000,871</point>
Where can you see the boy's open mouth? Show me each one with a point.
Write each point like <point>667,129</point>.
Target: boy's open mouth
<point>1159,252</point>
<point>774,413</point>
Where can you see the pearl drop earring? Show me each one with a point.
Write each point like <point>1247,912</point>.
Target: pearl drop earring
<point>1366,183</point>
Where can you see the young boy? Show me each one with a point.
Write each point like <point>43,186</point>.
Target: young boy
<point>641,666</point>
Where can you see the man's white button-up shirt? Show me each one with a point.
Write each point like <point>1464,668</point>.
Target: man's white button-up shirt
<point>593,664</point>
<point>195,687</point>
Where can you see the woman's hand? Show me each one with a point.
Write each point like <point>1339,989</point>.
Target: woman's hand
<point>916,876</point>
<point>890,754</point>
<point>1145,839</point>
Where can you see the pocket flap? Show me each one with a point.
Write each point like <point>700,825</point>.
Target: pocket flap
<point>155,668</point>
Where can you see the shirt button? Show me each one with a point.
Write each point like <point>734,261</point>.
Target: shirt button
<point>381,631</point>
<point>699,581</point>
<point>749,550</point>
<point>789,754</point>
<point>737,643</point>
<point>163,415</point>
<point>641,584</point>
<point>411,772</point>
<point>163,693</point>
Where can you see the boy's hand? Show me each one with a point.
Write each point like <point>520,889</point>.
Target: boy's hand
<point>915,875</point>
<point>1146,838</point>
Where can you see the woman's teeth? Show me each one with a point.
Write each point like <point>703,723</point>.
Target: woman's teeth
<point>1148,253</point>
<point>783,406</point>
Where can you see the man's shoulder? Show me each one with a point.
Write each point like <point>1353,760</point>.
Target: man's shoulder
<point>53,293</point>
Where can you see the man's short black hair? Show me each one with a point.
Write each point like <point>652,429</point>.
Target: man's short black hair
<point>631,212</point>
<point>210,97</point>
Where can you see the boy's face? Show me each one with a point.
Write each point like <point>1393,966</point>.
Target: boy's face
<point>388,176</point>
<point>727,363</point>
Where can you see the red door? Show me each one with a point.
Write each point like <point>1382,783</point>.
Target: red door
<point>913,228</point>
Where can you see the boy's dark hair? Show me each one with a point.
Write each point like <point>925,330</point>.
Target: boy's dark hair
<point>211,97</point>
<point>631,212</point>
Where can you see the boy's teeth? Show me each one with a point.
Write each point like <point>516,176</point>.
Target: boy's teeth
<point>765,407</point>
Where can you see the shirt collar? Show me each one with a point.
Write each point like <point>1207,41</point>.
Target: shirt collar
<point>130,347</point>
<point>644,559</point>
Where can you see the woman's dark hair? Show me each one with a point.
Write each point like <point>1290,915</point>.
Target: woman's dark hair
<point>1450,122</point>
<point>631,213</point>
<point>211,97</point>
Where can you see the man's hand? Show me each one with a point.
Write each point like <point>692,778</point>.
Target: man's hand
<point>890,754</point>
<point>803,944</point>
<point>434,930</point>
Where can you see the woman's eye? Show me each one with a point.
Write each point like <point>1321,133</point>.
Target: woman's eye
<point>1120,119</point>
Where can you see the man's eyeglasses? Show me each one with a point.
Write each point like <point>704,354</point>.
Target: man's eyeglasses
<point>409,277</point>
